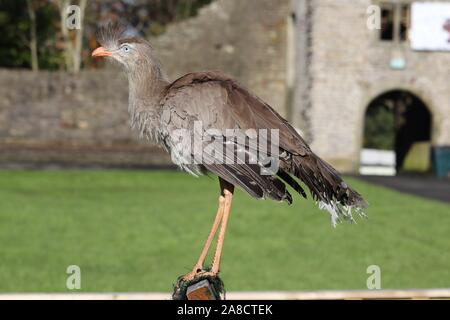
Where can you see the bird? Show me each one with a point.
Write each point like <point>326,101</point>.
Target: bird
<point>168,112</point>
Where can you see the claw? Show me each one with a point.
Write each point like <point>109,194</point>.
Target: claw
<point>196,272</point>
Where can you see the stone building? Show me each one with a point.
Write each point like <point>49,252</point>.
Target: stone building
<point>246,39</point>
<point>343,67</point>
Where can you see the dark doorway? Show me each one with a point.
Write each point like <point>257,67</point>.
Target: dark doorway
<point>397,120</point>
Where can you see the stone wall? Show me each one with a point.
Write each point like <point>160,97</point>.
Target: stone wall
<point>63,119</point>
<point>246,39</point>
<point>55,118</point>
<point>349,67</point>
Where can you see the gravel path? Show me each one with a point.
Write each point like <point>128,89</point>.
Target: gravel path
<point>419,185</point>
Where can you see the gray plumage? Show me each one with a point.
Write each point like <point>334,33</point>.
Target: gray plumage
<point>158,108</point>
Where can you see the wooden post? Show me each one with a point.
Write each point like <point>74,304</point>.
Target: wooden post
<point>201,291</point>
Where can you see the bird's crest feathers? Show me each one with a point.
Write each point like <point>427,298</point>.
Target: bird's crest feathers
<point>114,34</point>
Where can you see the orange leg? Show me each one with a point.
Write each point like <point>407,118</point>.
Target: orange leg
<point>199,265</point>
<point>221,220</point>
<point>228,194</point>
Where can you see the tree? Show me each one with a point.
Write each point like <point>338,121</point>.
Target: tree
<point>380,126</point>
<point>28,35</point>
<point>72,37</point>
<point>33,36</point>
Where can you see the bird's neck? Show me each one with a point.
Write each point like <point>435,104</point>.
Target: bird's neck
<point>147,85</point>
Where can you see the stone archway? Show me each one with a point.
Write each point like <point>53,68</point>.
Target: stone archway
<point>400,121</point>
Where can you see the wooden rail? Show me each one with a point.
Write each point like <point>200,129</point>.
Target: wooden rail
<point>278,295</point>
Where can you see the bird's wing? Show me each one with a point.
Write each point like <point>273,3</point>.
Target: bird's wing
<point>240,108</point>
<point>220,102</point>
<point>205,99</point>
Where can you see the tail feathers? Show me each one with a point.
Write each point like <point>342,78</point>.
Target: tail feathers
<point>286,177</point>
<point>327,188</point>
<point>339,212</point>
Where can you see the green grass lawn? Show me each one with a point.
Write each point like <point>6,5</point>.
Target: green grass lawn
<point>140,230</point>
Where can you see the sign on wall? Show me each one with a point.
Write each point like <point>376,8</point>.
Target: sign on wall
<point>430,26</point>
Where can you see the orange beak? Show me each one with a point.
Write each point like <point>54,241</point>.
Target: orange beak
<point>101,52</point>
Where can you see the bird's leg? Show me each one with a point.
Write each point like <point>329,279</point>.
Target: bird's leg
<point>185,286</point>
<point>227,192</point>
<point>199,265</point>
<point>218,219</point>
<point>221,220</point>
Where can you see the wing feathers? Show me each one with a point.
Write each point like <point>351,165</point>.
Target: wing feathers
<point>212,95</point>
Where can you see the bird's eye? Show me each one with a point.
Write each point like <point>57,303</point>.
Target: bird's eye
<point>126,48</point>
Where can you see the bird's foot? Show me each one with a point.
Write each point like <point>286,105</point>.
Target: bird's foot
<point>199,271</point>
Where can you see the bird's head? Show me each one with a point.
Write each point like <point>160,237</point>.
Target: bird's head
<point>132,53</point>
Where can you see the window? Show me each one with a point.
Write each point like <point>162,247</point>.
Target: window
<point>387,22</point>
<point>395,22</point>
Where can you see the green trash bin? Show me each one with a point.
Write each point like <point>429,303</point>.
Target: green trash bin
<point>441,161</point>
